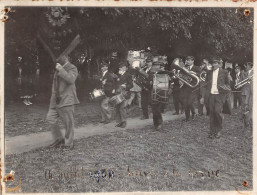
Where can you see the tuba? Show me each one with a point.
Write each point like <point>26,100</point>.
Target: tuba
<point>203,75</point>
<point>243,82</point>
<point>184,75</point>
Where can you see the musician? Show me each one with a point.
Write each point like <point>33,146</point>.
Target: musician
<point>114,63</point>
<point>205,66</point>
<point>124,84</point>
<point>177,90</point>
<point>157,106</point>
<point>108,84</point>
<point>237,92</point>
<point>217,88</point>
<point>188,94</point>
<point>247,89</point>
<point>146,94</point>
<point>63,100</point>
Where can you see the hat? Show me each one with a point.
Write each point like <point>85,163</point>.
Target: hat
<point>149,60</point>
<point>114,54</point>
<point>190,58</point>
<point>216,59</point>
<point>237,66</point>
<point>104,64</point>
<point>122,64</point>
<point>250,64</point>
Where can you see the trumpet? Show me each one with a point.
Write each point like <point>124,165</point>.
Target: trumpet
<point>184,75</point>
<point>203,75</point>
<point>243,82</point>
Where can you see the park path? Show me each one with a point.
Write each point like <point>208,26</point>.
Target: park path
<point>25,143</point>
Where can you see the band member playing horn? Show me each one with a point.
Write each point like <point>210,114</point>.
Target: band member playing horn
<point>124,84</point>
<point>108,84</point>
<point>247,92</point>
<point>205,66</point>
<point>177,90</point>
<point>217,88</point>
<point>237,92</point>
<point>189,94</point>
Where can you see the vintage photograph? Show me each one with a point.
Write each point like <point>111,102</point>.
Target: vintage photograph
<point>128,99</point>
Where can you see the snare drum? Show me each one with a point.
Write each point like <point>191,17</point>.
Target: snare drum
<point>160,92</point>
<point>117,99</point>
<point>96,95</point>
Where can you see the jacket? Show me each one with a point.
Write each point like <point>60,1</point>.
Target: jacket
<point>67,89</point>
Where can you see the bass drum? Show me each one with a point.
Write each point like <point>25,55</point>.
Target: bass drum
<point>161,90</point>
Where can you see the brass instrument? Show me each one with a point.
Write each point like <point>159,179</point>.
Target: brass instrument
<point>243,82</point>
<point>141,77</point>
<point>203,75</point>
<point>184,75</point>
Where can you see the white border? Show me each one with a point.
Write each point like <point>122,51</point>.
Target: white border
<point>127,3</point>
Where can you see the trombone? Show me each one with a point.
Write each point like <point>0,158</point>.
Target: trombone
<point>243,82</point>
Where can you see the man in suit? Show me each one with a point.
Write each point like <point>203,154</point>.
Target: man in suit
<point>146,94</point>
<point>247,89</point>
<point>237,92</point>
<point>204,68</point>
<point>188,94</point>
<point>62,102</point>
<point>108,84</point>
<point>124,84</point>
<point>217,88</point>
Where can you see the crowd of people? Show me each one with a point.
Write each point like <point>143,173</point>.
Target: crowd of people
<point>120,87</point>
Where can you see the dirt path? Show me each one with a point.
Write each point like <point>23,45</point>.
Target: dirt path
<point>25,143</point>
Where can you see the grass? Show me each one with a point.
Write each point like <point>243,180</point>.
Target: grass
<point>180,157</point>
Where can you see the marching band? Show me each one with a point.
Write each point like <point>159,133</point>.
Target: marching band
<point>190,85</point>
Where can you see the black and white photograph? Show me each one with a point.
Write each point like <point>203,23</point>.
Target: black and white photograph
<point>127,98</point>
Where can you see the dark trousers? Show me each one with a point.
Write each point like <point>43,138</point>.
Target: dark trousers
<point>121,112</point>
<point>216,102</point>
<point>157,114</point>
<point>237,98</point>
<point>177,100</point>
<point>189,99</point>
<point>145,98</point>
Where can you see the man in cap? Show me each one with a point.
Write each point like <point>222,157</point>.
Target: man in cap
<point>217,87</point>
<point>62,102</point>
<point>108,85</point>
<point>124,84</point>
<point>146,94</point>
<point>114,63</point>
<point>247,89</point>
<point>205,66</point>
<point>189,94</point>
<point>237,92</point>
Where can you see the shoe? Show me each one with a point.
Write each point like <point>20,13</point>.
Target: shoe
<point>29,102</point>
<point>175,113</point>
<point>123,125</point>
<point>218,135</point>
<point>67,147</point>
<point>102,121</point>
<point>185,120</point>
<point>143,118</point>
<point>26,102</point>
<point>193,117</point>
<point>56,143</point>
<point>211,136</point>
<point>118,125</point>
<point>106,122</point>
